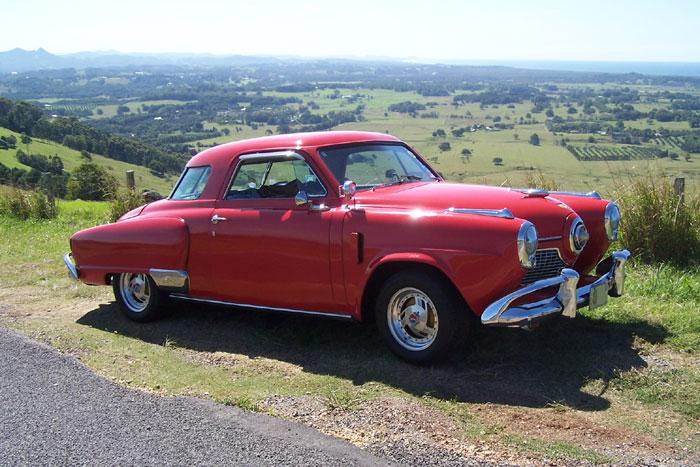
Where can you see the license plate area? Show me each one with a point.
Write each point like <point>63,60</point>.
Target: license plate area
<point>598,296</point>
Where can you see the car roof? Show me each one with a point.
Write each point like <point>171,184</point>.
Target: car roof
<point>305,141</point>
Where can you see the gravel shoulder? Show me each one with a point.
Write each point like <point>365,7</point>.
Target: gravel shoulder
<point>56,411</point>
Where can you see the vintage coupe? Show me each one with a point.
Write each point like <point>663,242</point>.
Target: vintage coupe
<point>358,226</point>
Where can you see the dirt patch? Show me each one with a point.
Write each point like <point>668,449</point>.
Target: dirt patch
<point>571,427</point>
<point>392,427</point>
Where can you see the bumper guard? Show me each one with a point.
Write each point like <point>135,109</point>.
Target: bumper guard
<point>567,300</point>
<point>72,268</point>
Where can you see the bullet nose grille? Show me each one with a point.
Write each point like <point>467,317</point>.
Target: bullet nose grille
<point>547,264</point>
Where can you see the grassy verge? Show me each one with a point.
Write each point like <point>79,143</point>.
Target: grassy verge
<point>623,375</point>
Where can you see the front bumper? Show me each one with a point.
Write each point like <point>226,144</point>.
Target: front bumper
<point>567,299</point>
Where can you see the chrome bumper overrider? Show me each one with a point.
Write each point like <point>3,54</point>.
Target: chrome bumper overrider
<point>565,302</point>
<point>72,269</point>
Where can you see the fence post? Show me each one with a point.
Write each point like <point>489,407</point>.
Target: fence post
<point>130,181</point>
<point>679,188</point>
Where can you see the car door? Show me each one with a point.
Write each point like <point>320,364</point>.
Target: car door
<point>269,251</point>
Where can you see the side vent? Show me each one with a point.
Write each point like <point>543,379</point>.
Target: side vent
<point>358,240</point>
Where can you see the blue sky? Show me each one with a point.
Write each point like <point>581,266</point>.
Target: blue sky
<point>623,30</point>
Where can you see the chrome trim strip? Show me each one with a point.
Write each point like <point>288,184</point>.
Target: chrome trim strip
<point>590,194</point>
<point>266,308</point>
<point>502,213</point>
<point>171,279</point>
<point>565,302</point>
<point>551,239</point>
<point>271,155</point>
<point>72,268</point>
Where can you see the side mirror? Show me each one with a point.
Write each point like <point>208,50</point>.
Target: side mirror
<point>348,189</point>
<point>301,199</point>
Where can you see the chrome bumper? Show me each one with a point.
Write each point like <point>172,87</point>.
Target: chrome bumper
<point>565,302</point>
<point>70,264</point>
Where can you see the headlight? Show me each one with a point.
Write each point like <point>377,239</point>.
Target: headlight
<point>527,244</point>
<point>578,236</point>
<point>612,221</point>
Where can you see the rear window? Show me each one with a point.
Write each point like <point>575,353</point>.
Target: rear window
<point>192,183</point>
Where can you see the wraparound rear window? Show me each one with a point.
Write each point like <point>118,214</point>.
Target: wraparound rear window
<point>192,183</point>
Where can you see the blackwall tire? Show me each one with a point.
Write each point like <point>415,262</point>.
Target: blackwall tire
<point>420,317</point>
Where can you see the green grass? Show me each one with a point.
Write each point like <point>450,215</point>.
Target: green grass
<point>72,159</point>
<point>556,450</point>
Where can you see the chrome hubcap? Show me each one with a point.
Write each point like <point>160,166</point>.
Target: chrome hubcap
<point>413,319</point>
<point>135,291</point>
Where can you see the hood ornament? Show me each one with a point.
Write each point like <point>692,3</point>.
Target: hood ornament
<point>532,192</point>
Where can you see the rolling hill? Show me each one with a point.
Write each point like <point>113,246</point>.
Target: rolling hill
<point>72,159</point>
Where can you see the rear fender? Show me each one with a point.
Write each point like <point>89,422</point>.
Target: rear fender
<point>134,245</point>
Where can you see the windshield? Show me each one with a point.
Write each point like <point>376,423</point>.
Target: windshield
<point>191,183</point>
<point>373,165</point>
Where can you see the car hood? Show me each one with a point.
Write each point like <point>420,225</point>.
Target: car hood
<point>548,214</point>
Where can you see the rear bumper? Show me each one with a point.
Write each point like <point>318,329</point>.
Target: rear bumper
<point>567,300</point>
<point>72,268</point>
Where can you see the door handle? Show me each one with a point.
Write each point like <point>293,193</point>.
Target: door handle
<point>215,219</point>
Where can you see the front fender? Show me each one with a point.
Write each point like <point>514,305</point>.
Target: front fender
<point>478,254</point>
<point>134,245</point>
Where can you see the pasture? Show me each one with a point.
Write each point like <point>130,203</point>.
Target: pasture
<point>594,169</point>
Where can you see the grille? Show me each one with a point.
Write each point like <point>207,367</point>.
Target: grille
<point>547,264</point>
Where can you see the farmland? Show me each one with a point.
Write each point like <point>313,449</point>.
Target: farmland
<point>594,132</point>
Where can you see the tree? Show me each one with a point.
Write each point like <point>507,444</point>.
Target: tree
<point>91,182</point>
<point>549,113</point>
<point>25,139</point>
<point>444,146</point>
<point>439,133</point>
<point>534,139</point>
<point>497,161</point>
<point>516,136</point>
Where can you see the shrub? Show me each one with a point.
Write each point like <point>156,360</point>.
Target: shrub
<point>27,205</point>
<point>91,182</point>
<point>657,225</point>
<point>123,202</point>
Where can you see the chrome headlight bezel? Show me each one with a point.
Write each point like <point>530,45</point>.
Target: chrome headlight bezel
<point>578,236</point>
<point>612,221</point>
<point>527,244</point>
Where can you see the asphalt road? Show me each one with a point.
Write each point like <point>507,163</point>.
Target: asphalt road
<point>53,410</point>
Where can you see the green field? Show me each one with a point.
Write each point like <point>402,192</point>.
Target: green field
<point>520,159</point>
<point>72,159</point>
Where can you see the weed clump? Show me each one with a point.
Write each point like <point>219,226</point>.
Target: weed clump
<point>658,225</point>
<point>24,205</point>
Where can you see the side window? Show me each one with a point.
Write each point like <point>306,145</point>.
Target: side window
<point>274,179</point>
<point>192,183</point>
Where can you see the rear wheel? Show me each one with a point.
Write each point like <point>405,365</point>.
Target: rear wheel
<point>420,317</point>
<point>138,296</point>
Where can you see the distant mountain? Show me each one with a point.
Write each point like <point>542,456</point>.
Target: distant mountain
<point>29,60</point>
<point>25,60</point>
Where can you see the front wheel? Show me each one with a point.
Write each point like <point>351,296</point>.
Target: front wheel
<point>420,317</point>
<point>138,296</point>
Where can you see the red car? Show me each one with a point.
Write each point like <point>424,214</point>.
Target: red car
<point>356,226</point>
